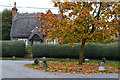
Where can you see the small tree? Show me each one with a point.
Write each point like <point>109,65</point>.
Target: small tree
<point>83,22</point>
<point>6,24</point>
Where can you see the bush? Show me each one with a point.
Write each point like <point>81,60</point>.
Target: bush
<point>13,48</point>
<point>94,51</point>
<point>98,51</point>
<point>28,49</point>
<point>54,50</point>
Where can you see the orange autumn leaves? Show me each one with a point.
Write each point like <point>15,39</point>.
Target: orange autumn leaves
<point>81,21</point>
<point>70,67</point>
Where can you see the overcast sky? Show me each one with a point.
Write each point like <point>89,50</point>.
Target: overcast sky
<point>28,3</point>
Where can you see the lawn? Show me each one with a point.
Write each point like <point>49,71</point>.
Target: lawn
<point>9,58</point>
<point>40,59</point>
<point>70,67</point>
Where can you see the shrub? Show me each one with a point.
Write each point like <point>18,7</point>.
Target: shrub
<point>97,51</point>
<point>54,50</point>
<point>94,51</point>
<point>13,48</point>
<point>28,49</point>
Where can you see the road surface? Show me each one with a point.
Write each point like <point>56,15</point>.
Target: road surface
<point>16,69</point>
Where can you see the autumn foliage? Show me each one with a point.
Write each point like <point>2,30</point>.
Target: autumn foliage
<point>70,67</point>
<point>82,21</point>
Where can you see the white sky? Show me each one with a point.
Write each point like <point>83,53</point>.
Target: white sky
<point>28,3</point>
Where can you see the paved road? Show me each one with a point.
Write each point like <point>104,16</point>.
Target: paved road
<point>16,69</point>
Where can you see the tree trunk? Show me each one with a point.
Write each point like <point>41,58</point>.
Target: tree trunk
<point>82,51</point>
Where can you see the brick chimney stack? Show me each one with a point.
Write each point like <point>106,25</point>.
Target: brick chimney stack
<point>14,11</point>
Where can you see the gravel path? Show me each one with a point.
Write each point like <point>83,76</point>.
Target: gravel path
<point>16,69</point>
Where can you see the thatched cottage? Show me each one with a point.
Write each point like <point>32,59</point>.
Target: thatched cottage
<point>25,28</point>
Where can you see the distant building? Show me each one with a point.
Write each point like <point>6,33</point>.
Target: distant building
<point>25,28</point>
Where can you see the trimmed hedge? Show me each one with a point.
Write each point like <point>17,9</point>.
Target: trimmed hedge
<point>13,48</point>
<point>98,51</point>
<point>54,50</point>
<point>94,51</point>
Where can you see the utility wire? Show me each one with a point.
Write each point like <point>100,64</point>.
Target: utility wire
<point>28,7</point>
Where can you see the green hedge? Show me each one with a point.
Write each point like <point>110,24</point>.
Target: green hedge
<point>94,51</point>
<point>98,51</point>
<point>13,48</point>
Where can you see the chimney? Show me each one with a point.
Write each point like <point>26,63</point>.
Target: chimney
<point>14,11</point>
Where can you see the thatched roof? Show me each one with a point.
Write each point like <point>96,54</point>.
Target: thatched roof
<point>23,24</point>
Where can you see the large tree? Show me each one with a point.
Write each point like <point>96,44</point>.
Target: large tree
<point>6,24</point>
<point>82,21</point>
